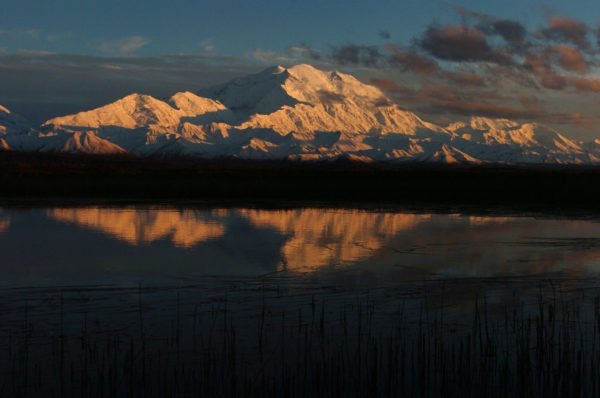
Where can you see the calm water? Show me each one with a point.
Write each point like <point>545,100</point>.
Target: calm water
<point>159,302</point>
<point>125,246</point>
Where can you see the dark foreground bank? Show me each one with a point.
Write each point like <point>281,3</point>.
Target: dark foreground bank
<point>52,176</point>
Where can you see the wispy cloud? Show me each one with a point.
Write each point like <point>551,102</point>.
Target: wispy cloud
<point>207,46</point>
<point>124,46</point>
<point>31,34</point>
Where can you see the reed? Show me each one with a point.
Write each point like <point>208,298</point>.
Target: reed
<point>253,337</point>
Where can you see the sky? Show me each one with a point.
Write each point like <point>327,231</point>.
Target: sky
<point>446,60</point>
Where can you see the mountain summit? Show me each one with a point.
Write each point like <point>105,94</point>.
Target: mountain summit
<point>304,99</point>
<point>275,87</point>
<point>301,113</point>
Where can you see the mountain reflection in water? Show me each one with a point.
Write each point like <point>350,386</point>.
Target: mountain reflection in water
<point>4,225</point>
<point>313,237</point>
<point>184,228</point>
<point>97,241</point>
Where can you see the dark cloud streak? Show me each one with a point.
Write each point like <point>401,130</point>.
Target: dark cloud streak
<point>513,32</point>
<point>354,54</point>
<point>384,34</point>
<point>460,43</point>
<point>411,61</point>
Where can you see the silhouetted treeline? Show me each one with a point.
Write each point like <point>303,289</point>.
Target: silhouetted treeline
<point>38,176</point>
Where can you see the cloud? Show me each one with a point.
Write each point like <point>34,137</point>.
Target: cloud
<point>569,58</point>
<point>445,100</point>
<point>465,78</point>
<point>269,57</point>
<point>15,34</point>
<point>390,56</point>
<point>411,61</point>
<point>585,84</point>
<point>17,38</point>
<point>552,81</point>
<point>441,99</point>
<point>512,32</point>
<point>544,59</point>
<point>354,54</point>
<point>384,34</point>
<point>304,51</point>
<point>294,54</point>
<point>390,86</point>
<point>563,29</point>
<point>207,45</point>
<point>125,46</point>
<point>460,43</point>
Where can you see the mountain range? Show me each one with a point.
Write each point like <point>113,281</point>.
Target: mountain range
<point>295,113</point>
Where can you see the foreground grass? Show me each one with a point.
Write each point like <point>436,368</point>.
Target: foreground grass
<point>281,336</point>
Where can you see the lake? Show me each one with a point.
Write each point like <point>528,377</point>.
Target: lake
<point>296,302</point>
<point>161,245</point>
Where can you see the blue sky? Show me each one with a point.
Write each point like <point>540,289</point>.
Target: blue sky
<point>235,27</point>
<point>444,60</point>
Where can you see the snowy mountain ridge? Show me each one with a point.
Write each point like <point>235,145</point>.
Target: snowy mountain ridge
<point>297,113</point>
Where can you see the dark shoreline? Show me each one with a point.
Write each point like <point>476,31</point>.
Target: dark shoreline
<point>74,180</point>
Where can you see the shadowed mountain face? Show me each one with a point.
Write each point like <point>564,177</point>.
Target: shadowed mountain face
<point>10,124</point>
<point>297,113</point>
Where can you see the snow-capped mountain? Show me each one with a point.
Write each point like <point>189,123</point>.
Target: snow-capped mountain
<point>303,99</point>
<point>299,113</point>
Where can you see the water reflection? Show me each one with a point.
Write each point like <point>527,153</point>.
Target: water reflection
<point>318,237</point>
<point>129,244</point>
<point>4,225</point>
<point>184,228</point>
